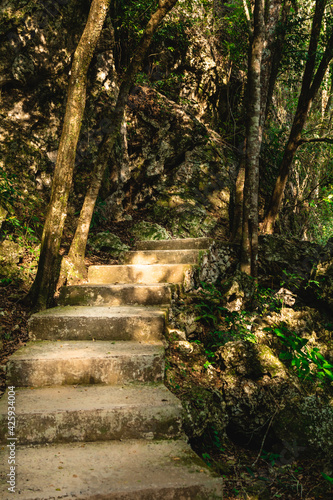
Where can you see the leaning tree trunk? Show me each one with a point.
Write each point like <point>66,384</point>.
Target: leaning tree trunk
<point>42,291</point>
<point>249,255</point>
<point>310,85</point>
<point>74,263</point>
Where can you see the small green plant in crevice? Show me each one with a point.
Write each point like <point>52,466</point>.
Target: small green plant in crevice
<point>207,459</point>
<point>269,457</point>
<point>266,300</point>
<point>210,306</point>
<point>308,364</point>
<point>295,280</point>
<point>24,233</point>
<point>329,479</point>
<point>223,325</point>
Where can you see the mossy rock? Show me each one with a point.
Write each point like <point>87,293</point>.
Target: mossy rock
<point>183,219</point>
<point>150,231</point>
<point>204,409</point>
<point>108,242</point>
<point>10,252</point>
<point>3,214</point>
<point>238,291</point>
<point>249,360</point>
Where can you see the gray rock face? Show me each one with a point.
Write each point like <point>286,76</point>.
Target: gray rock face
<point>259,388</point>
<point>177,168</point>
<point>108,242</point>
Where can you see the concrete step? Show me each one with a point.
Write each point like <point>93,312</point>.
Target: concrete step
<point>130,470</point>
<point>178,244</point>
<point>98,323</point>
<point>93,413</point>
<point>116,295</point>
<point>47,363</point>
<point>162,257</point>
<point>156,273</point>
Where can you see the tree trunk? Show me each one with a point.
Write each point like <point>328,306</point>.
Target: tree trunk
<point>236,236</point>
<point>249,255</point>
<point>276,54</point>
<point>75,259</point>
<point>271,59</point>
<point>310,87</point>
<point>42,291</point>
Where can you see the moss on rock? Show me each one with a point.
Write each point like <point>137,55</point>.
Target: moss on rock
<point>150,231</point>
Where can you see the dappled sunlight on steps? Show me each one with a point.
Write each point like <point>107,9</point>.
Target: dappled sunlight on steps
<point>94,419</point>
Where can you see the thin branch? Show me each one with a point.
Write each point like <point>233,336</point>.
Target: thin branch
<point>329,140</point>
<point>263,441</point>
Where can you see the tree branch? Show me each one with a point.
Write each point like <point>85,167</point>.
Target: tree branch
<point>329,140</point>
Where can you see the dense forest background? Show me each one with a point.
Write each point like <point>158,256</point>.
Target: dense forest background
<point>198,61</point>
<point>226,132</point>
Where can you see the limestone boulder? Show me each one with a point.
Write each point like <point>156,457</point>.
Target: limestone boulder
<point>150,231</point>
<point>176,167</point>
<point>204,410</point>
<point>108,242</point>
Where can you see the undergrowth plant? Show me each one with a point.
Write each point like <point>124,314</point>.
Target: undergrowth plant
<point>308,364</point>
<point>223,325</point>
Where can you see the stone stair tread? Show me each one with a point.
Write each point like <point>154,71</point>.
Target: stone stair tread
<point>116,294</point>
<point>93,413</point>
<point>99,312</point>
<point>100,323</point>
<point>47,362</point>
<point>174,244</point>
<point>150,257</point>
<point>129,470</point>
<point>69,349</point>
<point>135,273</point>
<point>89,397</point>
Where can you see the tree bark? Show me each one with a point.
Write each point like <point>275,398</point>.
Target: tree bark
<point>236,236</point>
<point>249,254</point>
<point>75,259</point>
<point>310,86</point>
<point>275,12</point>
<point>42,291</point>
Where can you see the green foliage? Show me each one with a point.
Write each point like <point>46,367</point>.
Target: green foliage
<point>233,25</point>
<point>321,215</point>
<point>328,478</point>
<point>270,457</point>
<point>98,216</point>
<point>266,300</point>
<point>210,305</point>
<point>223,325</point>
<point>308,364</point>
<point>24,233</point>
<point>8,188</point>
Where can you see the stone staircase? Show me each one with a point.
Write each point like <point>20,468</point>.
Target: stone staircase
<point>93,418</point>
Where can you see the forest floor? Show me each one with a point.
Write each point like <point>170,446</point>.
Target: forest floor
<point>248,474</point>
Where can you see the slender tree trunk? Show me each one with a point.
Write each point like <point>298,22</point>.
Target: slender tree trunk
<point>310,86</point>
<point>75,259</point>
<point>42,291</point>
<point>236,236</point>
<point>275,48</point>
<point>249,256</point>
<point>271,58</point>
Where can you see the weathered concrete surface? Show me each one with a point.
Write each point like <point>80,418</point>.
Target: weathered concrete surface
<point>116,295</point>
<point>177,244</point>
<point>131,470</point>
<point>46,363</point>
<point>162,257</point>
<point>156,273</point>
<point>93,413</point>
<point>99,323</point>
